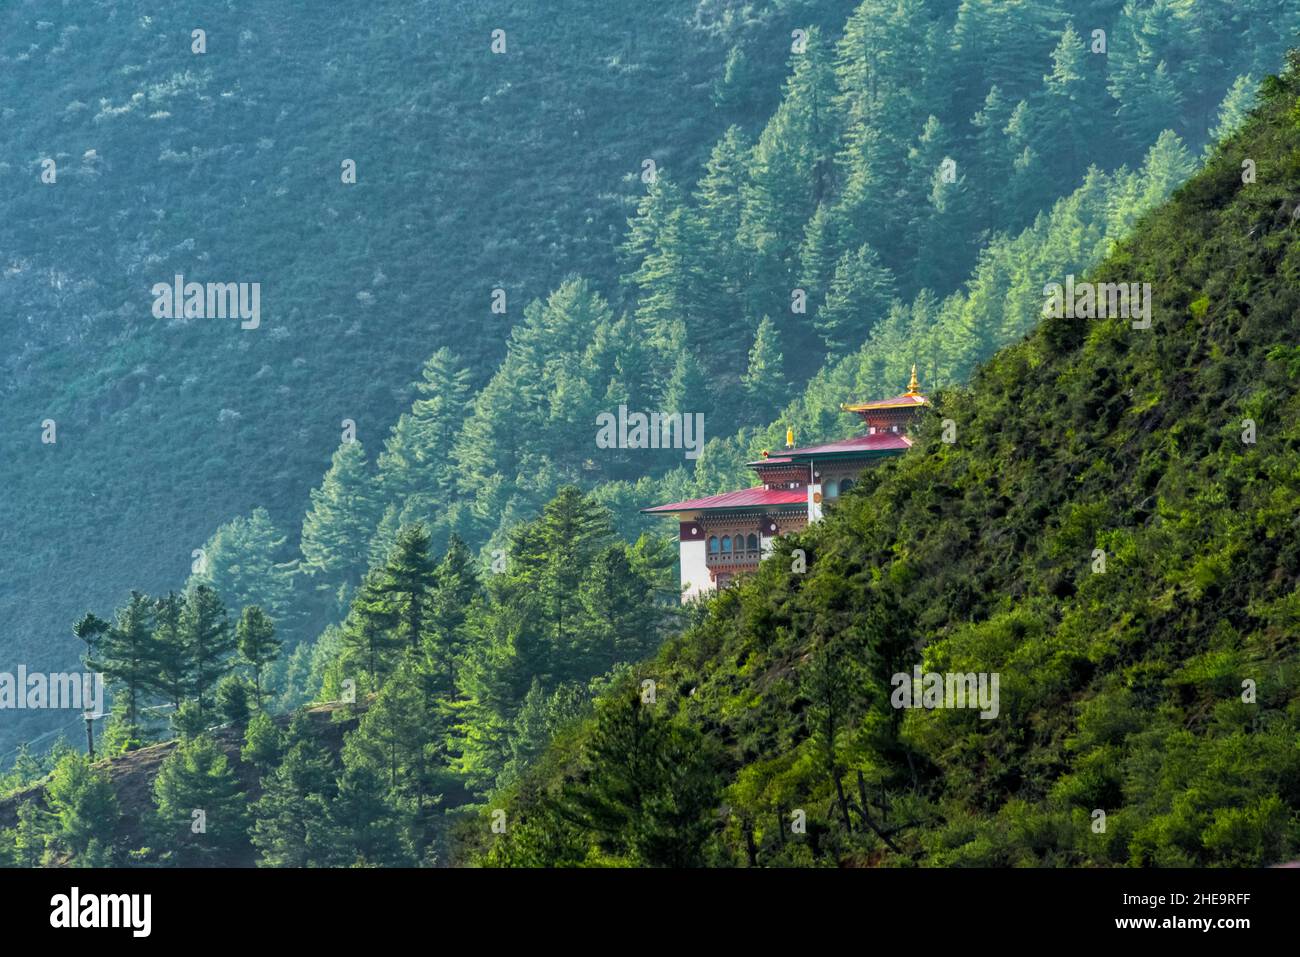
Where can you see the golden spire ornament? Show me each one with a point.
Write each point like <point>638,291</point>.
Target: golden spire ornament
<point>914,387</point>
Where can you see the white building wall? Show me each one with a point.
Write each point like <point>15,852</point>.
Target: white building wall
<point>814,507</point>
<point>695,573</point>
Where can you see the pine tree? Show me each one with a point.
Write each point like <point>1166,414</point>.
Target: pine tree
<point>258,644</point>
<point>244,562</point>
<point>764,381</point>
<point>718,196</point>
<point>121,733</point>
<point>997,157</point>
<point>1149,100</point>
<point>263,746</point>
<point>28,842</point>
<point>24,770</point>
<point>208,639</point>
<point>381,543</point>
<point>817,255</point>
<point>337,529</point>
<point>401,740</point>
<point>654,557</point>
<point>549,558</point>
<point>653,209</point>
<point>619,616</point>
<point>368,640</point>
<point>885,65</point>
<point>720,273</point>
<point>1234,109</point>
<point>416,456</point>
<point>403,587</point>
<point>83,806</point>
<point>540,404</point>
<point>882,61</point>
<point>365,828</point>
<point>539,717</point>
<point>932,217</point>
<point>124,653</point>
<point>686,389</point>
<point>302,672</point>
<point>664,277</point>
<point>1069,104</point>
<point>625,341</point>
<point>455,591</point>
<point>941,221</point>
<point>505,654</point>
<point>827,683</point>
<point>291,820</point>
<point>202,812</point>
<point>1161,107</point>
<point>233,700</point>
<point>1133,54</point>
<point>858,298</point>
<point>734,90</point>
<point>1168,164</point>
<point>187,721</point>
<point>867,198</point>
<point>1004,39</point>
<point>1027,186</point>
<point>173,673</point>
<point>530,626</point>
<point>650,787</point>
<point>791,172</point>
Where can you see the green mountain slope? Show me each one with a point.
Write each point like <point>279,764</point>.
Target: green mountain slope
<point>474,170</point>
<point>1114,532</point>
<point>912,149</point>
<point>477,171</point>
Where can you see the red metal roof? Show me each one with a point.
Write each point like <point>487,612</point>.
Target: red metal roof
<point>745,498</point>
<point>879,442</point>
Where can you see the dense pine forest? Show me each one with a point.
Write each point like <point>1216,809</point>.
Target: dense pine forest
<point>456,641</point>
<point>474,172</point>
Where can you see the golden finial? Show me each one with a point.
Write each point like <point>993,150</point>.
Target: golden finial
<point>914,387</point>
<point>789,438</point>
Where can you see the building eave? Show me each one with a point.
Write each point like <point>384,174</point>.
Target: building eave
<point>740,500</point>
<point>904,401</point>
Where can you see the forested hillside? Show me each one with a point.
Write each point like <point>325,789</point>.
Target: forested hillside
<point>445,682</point>
<point>787,275</point>
<point>470,581</point>
<point>811,235</point>
<point>799,263</point>
<point>1105,519</point>
<point>475,170</point>
<point>1111,526</point>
